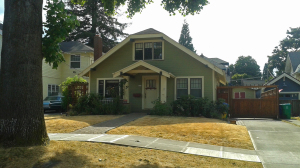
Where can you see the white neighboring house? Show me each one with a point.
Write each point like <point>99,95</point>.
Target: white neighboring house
<point>77,58</point>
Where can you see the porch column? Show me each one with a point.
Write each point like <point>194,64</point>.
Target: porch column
<point>126,89</point>
<point>163,89</point>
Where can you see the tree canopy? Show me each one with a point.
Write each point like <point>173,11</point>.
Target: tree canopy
<point>93,20</point>
<point>185,38</point>
<point>57,27</point>
<point>290,44</point>
<point>133,6</point>
<point>246,65</point>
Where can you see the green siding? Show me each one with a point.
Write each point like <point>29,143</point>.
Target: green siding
<point>175,61</point>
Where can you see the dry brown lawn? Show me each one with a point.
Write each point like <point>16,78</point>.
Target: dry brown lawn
<point>192,129</point>
<point>66,124</point>
<point>62,154</point>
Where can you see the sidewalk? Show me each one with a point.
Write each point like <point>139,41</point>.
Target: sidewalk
<point>105,126</point>
<point>163,144</point>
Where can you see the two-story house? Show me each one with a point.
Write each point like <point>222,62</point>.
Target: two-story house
<point>77,58</point>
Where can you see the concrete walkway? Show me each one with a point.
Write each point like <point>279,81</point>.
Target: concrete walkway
<point>277,143</point>
<point>163,144</point>
<point>105,126</point>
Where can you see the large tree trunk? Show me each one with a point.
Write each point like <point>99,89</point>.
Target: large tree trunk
<point>21,110</point>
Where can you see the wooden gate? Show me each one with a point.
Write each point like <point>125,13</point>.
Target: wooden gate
<point>264,107</point>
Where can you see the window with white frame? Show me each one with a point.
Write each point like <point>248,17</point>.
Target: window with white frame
<point>53,90</point>
<point>109,88</point>
<point>189,86</point>
<point>75,61</point>
<point>148,51</point>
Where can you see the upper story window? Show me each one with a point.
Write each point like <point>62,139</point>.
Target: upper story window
<point>75,61</point>
<point>148,51</point>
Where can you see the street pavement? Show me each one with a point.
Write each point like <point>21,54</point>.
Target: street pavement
<point>277,143</point>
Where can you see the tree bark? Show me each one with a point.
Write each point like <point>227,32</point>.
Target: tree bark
<point>21,101</point>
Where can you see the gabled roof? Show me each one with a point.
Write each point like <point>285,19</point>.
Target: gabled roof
<point>148,31</point>
<point>281,76</point>
<point>295,59</point>
<point>151,33</point>
<point>144,64</point>
<point>75,47</point>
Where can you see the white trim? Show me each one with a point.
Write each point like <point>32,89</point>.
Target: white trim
<point>144,64</point>
<point>75,61</point>
<point>156,77</point>
<point>284,75</point>
<point>51,89</point>
<point>189,52</point>
<point>104,79</point>
<point>147,41</point>
<point>291,93</point>
<point>189,85</point>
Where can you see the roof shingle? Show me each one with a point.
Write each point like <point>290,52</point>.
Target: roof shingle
<point>75,47</point>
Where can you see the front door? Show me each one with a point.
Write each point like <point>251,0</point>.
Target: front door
<point>150,91</point>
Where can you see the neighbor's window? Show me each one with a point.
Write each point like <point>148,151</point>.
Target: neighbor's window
<point>239,95</point>
<point>148,51</point>
<point>189,86</point>
<point>75,61</point>
<point>53,90</point>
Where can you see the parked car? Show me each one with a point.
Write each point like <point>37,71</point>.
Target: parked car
<point>53,103</point>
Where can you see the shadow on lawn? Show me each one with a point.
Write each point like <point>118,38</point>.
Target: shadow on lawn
<point>41,157</point>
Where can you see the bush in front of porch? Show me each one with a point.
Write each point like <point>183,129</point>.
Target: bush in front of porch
<point>190,106</point>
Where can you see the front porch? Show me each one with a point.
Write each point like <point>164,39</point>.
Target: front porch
<point>146,83</point>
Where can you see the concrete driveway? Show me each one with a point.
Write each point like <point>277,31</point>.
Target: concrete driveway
<point>277,143</point>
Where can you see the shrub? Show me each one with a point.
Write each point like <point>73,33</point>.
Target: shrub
<point>160,108</point>
<point>94,104</point>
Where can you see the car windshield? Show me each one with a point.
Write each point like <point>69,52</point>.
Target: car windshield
<point>52,98</point>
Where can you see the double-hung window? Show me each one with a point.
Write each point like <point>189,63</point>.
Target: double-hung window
<point>189,86</point>
<point>75,61</point>
<point>148,51</point>
<point>53,90</point>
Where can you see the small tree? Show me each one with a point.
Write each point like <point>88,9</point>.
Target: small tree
<point>185,38</point>
<point>67,99</point>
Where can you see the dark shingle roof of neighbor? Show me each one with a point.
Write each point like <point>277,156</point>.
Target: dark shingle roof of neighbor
<point>221,66</point>
<point>295,59</point>
<point>148,31</point>
<point>218,60</point>
<point>253,82</point>
<point>75,47</point>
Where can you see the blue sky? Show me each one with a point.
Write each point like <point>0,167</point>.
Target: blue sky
<point>225,29</point>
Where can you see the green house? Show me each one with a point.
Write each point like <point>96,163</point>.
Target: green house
<point>156,68</point>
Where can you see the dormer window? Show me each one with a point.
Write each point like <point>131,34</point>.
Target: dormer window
<point>148,51</point>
